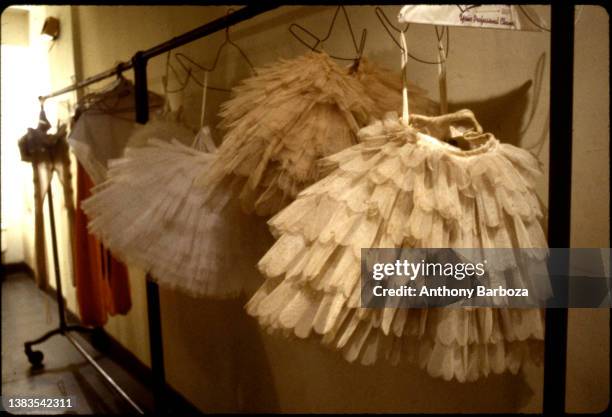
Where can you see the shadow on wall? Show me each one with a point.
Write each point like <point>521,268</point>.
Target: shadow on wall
<point>317,379</point>
<point>240,368</point>
<point>512,106</point>
<point>509,115</point>
<point>214,355</point>
<point>256,384</point>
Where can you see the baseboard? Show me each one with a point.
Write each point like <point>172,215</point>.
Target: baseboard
<point>113,349</point>
<point>128,361</point>
<point>17,268</point>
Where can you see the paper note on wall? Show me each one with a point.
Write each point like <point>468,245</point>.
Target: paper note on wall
<point>492,16</point>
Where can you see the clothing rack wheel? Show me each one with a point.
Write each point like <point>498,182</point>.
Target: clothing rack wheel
<point>36,357</point>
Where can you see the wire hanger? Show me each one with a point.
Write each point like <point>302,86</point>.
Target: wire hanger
<point>317,41</point>
<point>181,57</point>
<point>228,41</point>
<point>166,79</point>
<point>442,52</point>
<point>43,122</point>
<point>107,99</point>
<point>187,64</point>
<point>166,110</point>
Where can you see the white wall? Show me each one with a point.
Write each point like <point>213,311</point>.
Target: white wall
<point>589,328</point>
<point>15,102</point>
<point>215,355</point>
<point>55,64</point>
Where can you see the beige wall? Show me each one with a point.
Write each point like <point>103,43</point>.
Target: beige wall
<point>216,356</point>
<point>589,329</point>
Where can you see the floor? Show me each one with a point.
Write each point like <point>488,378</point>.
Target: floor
<point>27,313</point>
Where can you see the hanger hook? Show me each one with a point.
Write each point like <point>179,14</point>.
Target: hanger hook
<point>167,68</point>
<point>386,24</point>
<point>292,28</point>
<point>355,65</point>
<point>119,71</point>
<point>350,27</point>
<point>43,122</point>
<point>317,41</point>
<point>180,57</point>
<point>227,28</point>
<point>333,22</point>
<point>362,43</point>
<point>188,71</point>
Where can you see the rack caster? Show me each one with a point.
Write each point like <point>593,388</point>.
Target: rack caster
<point>35,357</point>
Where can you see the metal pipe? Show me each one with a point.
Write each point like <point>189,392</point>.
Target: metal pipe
<point>221,23</point>
<point>238,16</point>
<point>141,91</point>
<point>58,279</point>
<point>102,372</point>
<point>123,66</point>
<point>141,94</point>
<point>559,198</point>
<point>156,346</point>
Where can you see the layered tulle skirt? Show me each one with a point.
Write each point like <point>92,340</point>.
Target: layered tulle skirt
<point>292,113</point>
<point>401,188</point>
<point>150,214</point>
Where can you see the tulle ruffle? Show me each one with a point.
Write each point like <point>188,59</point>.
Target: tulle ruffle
<point>150,213</point>
<point>400,188</point>
<point>280,122</point>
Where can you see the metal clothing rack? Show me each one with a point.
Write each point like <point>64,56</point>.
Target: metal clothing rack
<point>35,356</point>
<point>139,64</point>
<point>559,198</point>
<point>561,78</point>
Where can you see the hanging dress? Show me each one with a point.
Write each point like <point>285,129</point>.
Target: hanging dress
<point>48,153</point>
<point>150,214</point>
<point>102,282</point>
<point>102,125</point>
<point>400,187</point>
<point>279,122</point>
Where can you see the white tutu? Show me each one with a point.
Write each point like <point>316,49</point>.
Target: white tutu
<point>161,129</point>
<point>280,122</point>
<point>150,213</point>
<point>401,188</point>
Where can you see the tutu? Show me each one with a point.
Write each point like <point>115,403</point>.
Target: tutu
<point>281,121</point>
<point>161,129</point>
<point>150,213</point>
<point>401,188</point>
